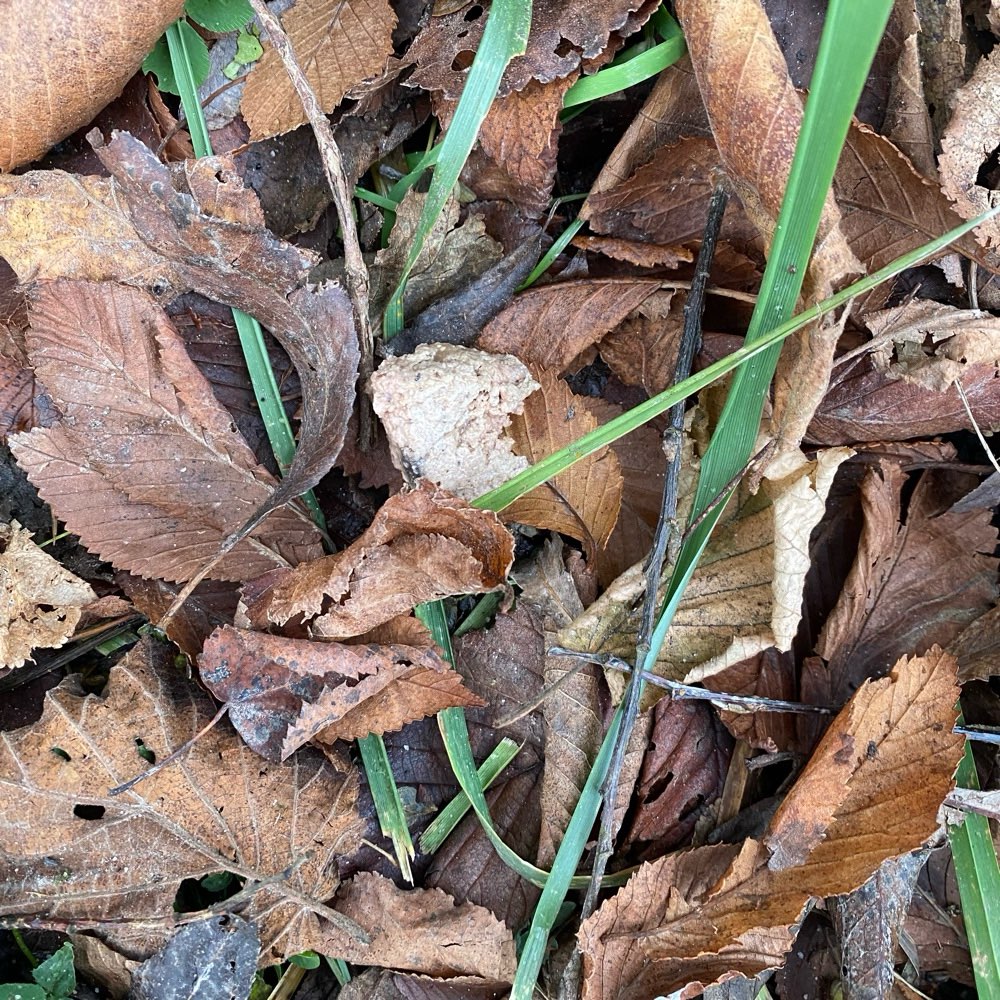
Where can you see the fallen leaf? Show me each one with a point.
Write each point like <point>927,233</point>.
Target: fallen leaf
<point>582,502</point>
<point>423,545</point>
<point>634,252</point>
<point>145,466</point>
<point>967,143</point>
<point>424,930</point>
<point>977,647</point>
<point>92,53</point>
<point>183,822</point>
<point>698,917</point>
<point>445,409</point>
<point>283,693</point>
<point>642,350</point>
<point>193,226</point>
<point>337,45</point>
<point>912,584</point>
<point>40,601</point>
<point>548,326</point>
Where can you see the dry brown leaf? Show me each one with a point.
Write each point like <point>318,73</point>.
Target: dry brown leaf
<point>183,822</point>
<point>145,466</point>
<point>193,226</point>
<point>337,44</point>
<point>425,930</point>
<point>643,349</point>
<point>283,692</point>
<point>977,647</point>
<point>63,62</point>
<point>633,252</point>
<point>547,327</point>
<point>967,145</point>
<point>911,585</point>
<point>582,502</point>
<point>935,344</point>
<point>695,918</point>
<point>423,545</point>
<point>40,601</point>
<point>445,409</point>
<point>563,34</point>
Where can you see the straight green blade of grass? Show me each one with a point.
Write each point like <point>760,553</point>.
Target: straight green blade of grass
<point>850,36</point>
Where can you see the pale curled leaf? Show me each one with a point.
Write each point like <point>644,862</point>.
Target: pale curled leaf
<point>40,601</point>
<point>284,692</point>
<point>694,918</point>
<point>422,545</point>
<point>145,465</point>
<point>182,822</point>
<point>63,62</point>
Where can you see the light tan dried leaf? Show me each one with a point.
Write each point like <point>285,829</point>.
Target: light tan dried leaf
<point>146,466</point>
<point>907,118</point>
<point>425,930</point>
<point>582,502</point>
<point>122,859</point>
<point>445,409</point>
<point>63,62</point>
<point>422,545</point>
<point>337,44</point>
<point>548,326</point>
<point>40,601</point>
<point>697,917</point>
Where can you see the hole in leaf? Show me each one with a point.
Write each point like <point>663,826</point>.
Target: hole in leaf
<point>463,60</point>
<point>565,47</point>
<point>83,811</point>
<point>474,13</point>
<point>143,751</point>
<point>989,171</point>
<point>59,752</point>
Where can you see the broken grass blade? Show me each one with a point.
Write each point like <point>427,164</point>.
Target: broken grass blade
<point>560,244</point>
<point>388,806</point>
<point>559,461</point>
<point>479,616</point>
<point>978,879</point>
<point>505,36</point>
<point>449,817</point>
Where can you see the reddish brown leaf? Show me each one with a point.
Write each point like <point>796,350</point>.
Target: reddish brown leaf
<point>582,502</point>
<point>283,692</point>
<point>878,778</point>
<point>183,822</point>
<point>90,52</point>
<point>548,327</point>
<point>422,546</point>
<point>336,44</point>
<point>145,466</point>
<point>424,930</point>
<point>633,252</point>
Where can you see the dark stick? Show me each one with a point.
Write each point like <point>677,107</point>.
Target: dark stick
<point>666,530</point>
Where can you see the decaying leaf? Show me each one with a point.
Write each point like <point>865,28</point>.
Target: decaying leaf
<point>40,601</point>
<point>63,62</point>
<point>193,226</point>
<point>423,545</point>
<point>283,692</point>
<point>336,43</point>
<point>582,502</point>
<point>445,409</point>
<point>547,327</point>
<point>61,826</point>
<point>145,465</point>
<point>871,791</point>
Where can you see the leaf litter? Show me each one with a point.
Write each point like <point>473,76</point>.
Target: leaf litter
<point>841,571</point>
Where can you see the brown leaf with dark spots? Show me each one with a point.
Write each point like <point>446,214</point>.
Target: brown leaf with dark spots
<point>284,824</point>
<point>337,44</point>
<point>549,326</point>
<point>871,791</point>
<point>912,584</point>
<point>63,62</point>
<point>146,466</point>
<point>283,692</point>
<point>423,545</point>
<point>424,930</point>
<point>582,502</point>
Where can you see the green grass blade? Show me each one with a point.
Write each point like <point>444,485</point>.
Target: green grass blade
<point>449,817</point>
<point>621,75</point>
<point>385,795</point>
<point>181,59</point>
<point>560,244</point>
<point>505,36</point>
<point>978,877</point>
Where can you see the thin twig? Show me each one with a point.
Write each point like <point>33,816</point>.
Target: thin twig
<point>666,532</point>
<point>354,264</point>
